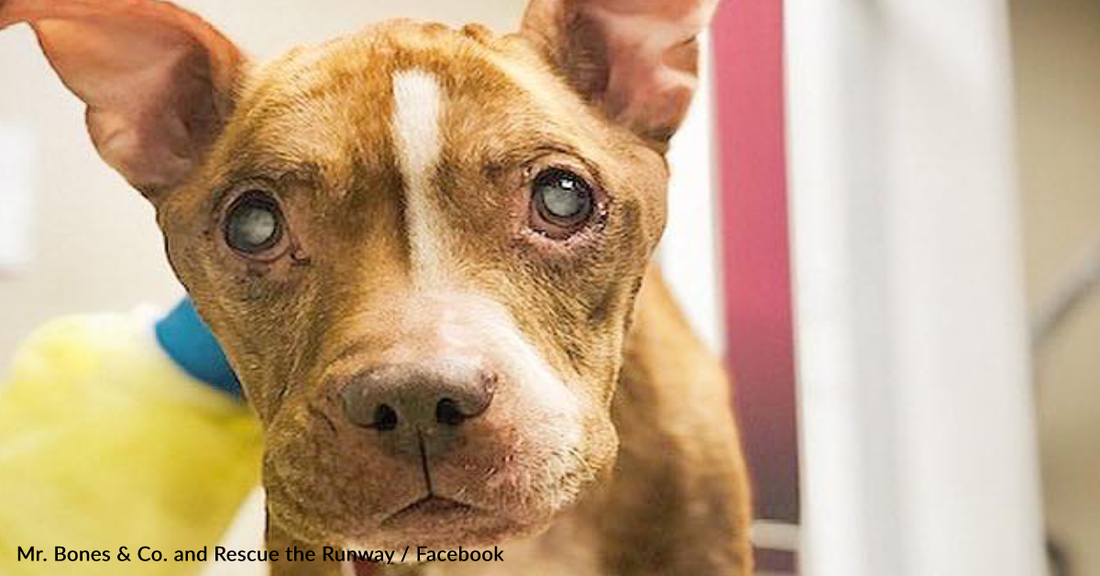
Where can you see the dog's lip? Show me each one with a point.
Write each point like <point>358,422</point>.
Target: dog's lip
<point>431,506</point>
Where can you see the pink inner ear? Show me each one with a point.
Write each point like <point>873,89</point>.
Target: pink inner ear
<point>652,57</point>
<point>667,10</point>
<point>635,58</point>
<point>154,77</point>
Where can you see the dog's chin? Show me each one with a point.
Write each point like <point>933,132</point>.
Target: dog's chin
<point>456,512</point>
<point>442,524</point>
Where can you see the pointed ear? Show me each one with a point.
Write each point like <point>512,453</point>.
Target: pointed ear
<point>635,59</point>
<point>157,79</point>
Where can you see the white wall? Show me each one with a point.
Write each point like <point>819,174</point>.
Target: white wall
<point>691,248</point>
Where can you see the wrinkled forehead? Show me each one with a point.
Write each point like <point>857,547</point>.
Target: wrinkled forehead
<point>399,93</point>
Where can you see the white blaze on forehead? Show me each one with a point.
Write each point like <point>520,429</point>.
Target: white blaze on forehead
<point>417,102</point>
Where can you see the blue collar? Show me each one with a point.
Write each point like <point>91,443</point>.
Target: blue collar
<point>188,342</point>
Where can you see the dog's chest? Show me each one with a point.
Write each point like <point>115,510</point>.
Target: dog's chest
<point>568,547</point>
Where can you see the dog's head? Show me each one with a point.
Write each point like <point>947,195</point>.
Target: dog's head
<point>418,246</point>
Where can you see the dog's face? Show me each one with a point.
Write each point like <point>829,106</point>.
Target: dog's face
<point>450,229</point>
<point>418,246</point>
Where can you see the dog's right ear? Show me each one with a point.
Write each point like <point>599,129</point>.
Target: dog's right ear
<point>158,80</point>
<point>637,60</point>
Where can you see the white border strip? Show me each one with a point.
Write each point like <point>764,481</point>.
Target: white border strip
<point>690,251</point>
<point>918,445</point>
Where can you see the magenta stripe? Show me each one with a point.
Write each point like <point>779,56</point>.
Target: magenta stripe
<point>748,45</point>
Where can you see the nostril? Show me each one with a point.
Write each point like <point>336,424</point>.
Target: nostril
<point>447,412</point>
<point>396,399</point>
<point>385,418</point>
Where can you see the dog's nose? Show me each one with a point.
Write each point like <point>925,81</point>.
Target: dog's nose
<point>418,406</point>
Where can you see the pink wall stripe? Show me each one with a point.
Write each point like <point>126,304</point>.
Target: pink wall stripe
<point>748,47</point>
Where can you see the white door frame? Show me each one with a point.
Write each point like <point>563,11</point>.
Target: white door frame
<point>918,443</point>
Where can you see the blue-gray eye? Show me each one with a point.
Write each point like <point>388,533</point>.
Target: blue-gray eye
<point>254,223</point>
<point>562,198</point>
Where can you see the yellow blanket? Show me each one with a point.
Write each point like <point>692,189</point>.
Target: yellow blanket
<point>105,443</point>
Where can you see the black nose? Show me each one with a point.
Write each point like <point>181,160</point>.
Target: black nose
<point>418,406</point>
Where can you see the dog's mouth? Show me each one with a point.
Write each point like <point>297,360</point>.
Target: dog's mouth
<point>430,508</point>
<point>442,522</point>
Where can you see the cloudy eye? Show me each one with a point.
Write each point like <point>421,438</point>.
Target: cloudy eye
<point>562,201</point>
<point>254,223</point>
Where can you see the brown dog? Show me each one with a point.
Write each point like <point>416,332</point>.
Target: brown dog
<point>425,252</point>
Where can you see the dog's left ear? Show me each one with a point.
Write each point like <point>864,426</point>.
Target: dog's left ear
<point>157,79</point>
<point>634,59</point>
